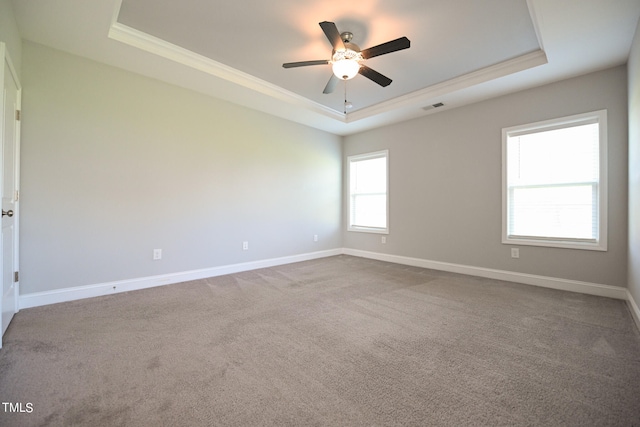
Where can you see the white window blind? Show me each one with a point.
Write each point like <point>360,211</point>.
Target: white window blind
<point>368,198</point>
<point>554,187</point>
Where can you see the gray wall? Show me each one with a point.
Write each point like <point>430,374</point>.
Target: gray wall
<point>115,164</point>
<point>445,182</point>
<point>634,167</point>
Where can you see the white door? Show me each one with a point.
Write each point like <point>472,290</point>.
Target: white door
<point>10,138</point>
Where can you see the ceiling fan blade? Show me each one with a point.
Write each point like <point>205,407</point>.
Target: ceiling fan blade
<point>375,76</point>
<point>305,63</point>
<point>332,33</point>
<point>331,84</point>
<point>388,47</point>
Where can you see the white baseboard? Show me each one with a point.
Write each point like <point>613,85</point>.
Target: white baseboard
<point>70,294</point>
<point>89,291</point>
<point>633,307</point>
<point>527,279</point>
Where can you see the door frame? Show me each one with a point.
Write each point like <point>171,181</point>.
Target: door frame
<point>6,58</point>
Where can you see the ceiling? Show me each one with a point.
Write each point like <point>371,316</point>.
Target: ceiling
<point>462,51</point>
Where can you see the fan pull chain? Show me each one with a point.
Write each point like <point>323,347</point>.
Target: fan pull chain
<point>347,104</point>
<point>345,97</point>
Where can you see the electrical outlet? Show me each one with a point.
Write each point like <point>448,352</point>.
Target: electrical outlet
<point>315,237</point>
<point>515,253</point>
<point>157,254</point>
<point>245,246</point>
<point>383,239</point>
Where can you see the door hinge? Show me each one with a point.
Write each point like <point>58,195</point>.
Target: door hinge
<point>16,277</point>
<point>18,115</point>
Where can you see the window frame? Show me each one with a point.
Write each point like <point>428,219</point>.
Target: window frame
<point>350,213</point>
<point>600,243</point>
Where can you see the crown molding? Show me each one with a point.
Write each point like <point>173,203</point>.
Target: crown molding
<point>164,49</point>
<point>483,75</point>
<point>146,42</point>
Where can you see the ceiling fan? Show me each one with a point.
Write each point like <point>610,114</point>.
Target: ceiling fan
<point>346,57</point>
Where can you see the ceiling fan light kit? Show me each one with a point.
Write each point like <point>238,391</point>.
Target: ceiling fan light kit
<point>346,59</point>
<point>345,69</point>
<point>346,63</point>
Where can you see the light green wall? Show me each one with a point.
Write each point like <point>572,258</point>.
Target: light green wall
<point>445,182</point>
<point>634,167</point>
<point>115,164</point>
<point>10,35</point>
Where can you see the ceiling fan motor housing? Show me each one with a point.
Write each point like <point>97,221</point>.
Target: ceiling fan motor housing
<point>346,36</point>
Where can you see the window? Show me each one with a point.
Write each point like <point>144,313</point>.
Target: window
<point>554,183</point>
<point>368,196</point>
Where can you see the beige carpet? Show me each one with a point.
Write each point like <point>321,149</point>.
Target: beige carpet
<point>341,341</point>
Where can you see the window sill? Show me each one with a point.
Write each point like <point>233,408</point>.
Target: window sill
<point>368,230</point>
<point>564,244</point>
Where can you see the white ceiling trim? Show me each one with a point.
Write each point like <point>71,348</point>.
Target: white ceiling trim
<point>535,20</point>
<point>162,48</point>
<point>417,99</point>
<point>423,96</point>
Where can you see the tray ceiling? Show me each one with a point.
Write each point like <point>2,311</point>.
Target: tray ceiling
<point>461,51</point>
<point>448,39</point>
